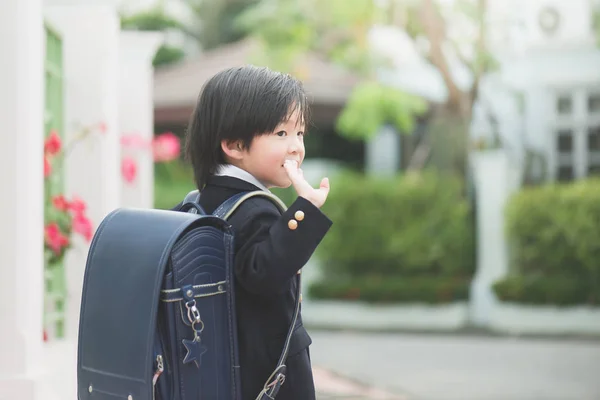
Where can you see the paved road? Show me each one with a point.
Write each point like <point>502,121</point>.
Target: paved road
<point>432,367</point>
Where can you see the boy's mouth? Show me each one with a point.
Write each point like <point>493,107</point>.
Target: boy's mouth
<point>296,161</point>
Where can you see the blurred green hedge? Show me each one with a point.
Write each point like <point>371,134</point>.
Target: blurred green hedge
<point>403,239</point>
<point>172,181</point>
<point>393,289</point>
<point>554,236</point>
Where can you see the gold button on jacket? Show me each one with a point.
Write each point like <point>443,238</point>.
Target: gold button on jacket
<point>292,224</point>
<point>299,215</point>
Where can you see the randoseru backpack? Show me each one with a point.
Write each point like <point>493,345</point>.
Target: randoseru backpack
<point>158,318</point>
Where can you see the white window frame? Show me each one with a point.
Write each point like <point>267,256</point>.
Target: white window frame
<point>579,122</point>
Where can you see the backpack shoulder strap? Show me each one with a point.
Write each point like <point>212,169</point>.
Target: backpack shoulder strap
<point>229,206</point>
<point>277,377</point>
<point>191,203</point>
<point>192,197</point>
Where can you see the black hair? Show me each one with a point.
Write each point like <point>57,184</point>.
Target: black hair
<point>239,103</point>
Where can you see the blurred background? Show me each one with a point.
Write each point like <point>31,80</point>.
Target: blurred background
<point>461,139</point>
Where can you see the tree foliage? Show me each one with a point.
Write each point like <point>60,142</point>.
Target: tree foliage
<point>331,29</point>
<point>217,20</point>
<point>372,105</point>
<point>336,31</point>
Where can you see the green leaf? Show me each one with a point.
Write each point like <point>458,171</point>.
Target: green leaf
<point>372,105</point>
<point>167,55</point>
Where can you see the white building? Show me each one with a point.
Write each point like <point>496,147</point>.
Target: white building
<point>537,120</point>
<point>546,94</point>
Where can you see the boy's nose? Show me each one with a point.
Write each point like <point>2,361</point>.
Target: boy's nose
<point>295,146</point>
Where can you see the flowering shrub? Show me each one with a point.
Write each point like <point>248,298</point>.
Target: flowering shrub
<point>165,147</point>
<point>62,217</point>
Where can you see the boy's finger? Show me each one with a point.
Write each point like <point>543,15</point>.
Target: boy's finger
<point>293,173</point>
<point>289,169</point>
<point>324,186</point>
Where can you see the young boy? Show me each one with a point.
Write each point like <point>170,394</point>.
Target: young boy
<point>246,134</point>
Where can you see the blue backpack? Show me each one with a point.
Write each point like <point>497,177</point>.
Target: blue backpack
<point>157,318</point>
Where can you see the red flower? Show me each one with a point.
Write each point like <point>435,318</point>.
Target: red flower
<point>47,167</point>
<point>83,226</point>
<point>77,206</point>
<point>54,238</point>
<point>60,203</point>
<point>166,147</point>
<point>53,144</point>
<point>128,169</point>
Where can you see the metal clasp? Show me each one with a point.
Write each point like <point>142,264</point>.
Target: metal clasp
<point>192,312</point>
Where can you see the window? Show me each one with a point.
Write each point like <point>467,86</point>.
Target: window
<point>565,174</point>
<point>594,138</point>
<point>576,139</point>
<point>565,141</point>
<point>594,104</point>
<point>564,105</point>
<point>564,146</point>
<point>594,170</point>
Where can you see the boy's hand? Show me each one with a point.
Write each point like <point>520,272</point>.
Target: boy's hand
<point>303,188</point>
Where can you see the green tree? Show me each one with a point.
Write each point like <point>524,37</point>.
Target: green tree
<point>217,20</point>
<point>337,30</point>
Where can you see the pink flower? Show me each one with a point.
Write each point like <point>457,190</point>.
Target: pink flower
<point>102,127</point>
<point>83,226</point>
<point>128,169</point>
<point>134,140</point>
<point>166,147</point>
<point>47,167</point>
<point>54,238</point>
<point>60,203</point>
<point>53,144</point>
<point>77,206</point>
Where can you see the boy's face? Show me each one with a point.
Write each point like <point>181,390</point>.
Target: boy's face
<point>267,153</point>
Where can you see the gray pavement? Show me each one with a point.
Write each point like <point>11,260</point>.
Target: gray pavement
<point>446,367</point>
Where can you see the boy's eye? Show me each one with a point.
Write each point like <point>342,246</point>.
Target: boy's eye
<point>281,133</point>
<point>300,133</point>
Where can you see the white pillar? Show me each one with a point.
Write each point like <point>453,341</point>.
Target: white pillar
<point>136,111</point>
<point>90,35</point>
<point>494,183</point>
<point>22,200</point>
<point>383,152</point>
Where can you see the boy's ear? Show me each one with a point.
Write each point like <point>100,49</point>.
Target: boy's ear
<point>233,148</point>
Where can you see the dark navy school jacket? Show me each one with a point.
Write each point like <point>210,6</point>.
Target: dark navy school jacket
<point>268,256</point>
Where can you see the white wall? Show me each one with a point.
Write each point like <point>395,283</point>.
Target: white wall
<point>21,202</point>
<point>136,111</point>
